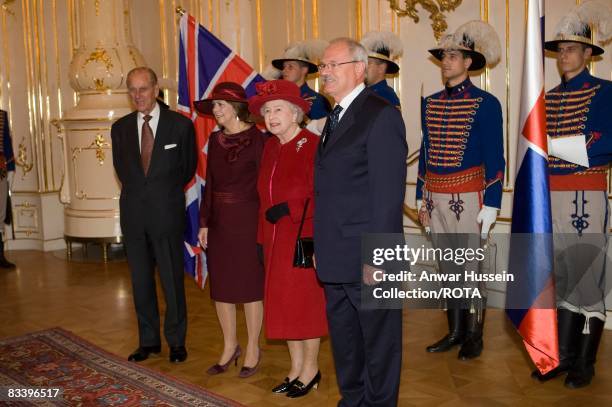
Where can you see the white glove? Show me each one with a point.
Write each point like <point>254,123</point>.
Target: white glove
<point>10,177</point>
<point>419,204</point>
<point>571,149</point>
<point>487,217</point>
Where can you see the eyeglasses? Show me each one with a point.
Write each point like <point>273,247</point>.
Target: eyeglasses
<point>333,65</point>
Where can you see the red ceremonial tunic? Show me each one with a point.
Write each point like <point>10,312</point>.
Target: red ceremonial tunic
<point>230,210</point>
<point>294,301</point>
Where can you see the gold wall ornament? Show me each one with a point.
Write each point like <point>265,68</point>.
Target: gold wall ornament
<point>22,159</point>
<point>99,55</point>
<point>133,55</point>
<point>435,9</point>
<point>5,7</point>
<point>100,144</point>
<point>99,82</point>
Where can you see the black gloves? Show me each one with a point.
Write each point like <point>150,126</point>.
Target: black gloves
<point>274,213</point>
<point>260,254</point>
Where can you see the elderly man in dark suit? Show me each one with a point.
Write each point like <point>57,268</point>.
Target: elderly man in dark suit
<point>360,172</point>
<point>154,155</point>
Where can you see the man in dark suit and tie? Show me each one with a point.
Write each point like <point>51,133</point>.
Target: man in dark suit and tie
<point>154,155</point>
<point>360,174</point>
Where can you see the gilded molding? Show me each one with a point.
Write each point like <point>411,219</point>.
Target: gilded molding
<point>22,159</point>
<point>435,9</point>
<point>133,56</point>
<point>99,143</point>
<point>99,84</point>
<point>163,39</point>
<point>315,19</point>
<point>5,7</point>
<point>27,218</point>
<point>358,17</point>
<point>100,56</point>
<point>5,70</point>
<point>64,192</point>
<point>260,45</point>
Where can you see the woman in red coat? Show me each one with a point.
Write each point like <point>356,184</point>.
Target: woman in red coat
<point>294,302</point>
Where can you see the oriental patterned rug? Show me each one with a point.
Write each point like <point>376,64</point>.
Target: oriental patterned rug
<point>90,376</point>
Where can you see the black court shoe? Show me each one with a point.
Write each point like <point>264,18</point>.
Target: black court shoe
<point>285,386</point>
<point>299,389</point>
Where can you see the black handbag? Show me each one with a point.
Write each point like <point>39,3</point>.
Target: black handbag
<point>304,246</point>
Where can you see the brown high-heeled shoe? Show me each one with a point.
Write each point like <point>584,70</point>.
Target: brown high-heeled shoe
<point>217,368</point>
<point>250,371</point>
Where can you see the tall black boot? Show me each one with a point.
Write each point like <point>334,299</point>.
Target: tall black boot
<point>456,328</point>
<point>569,326</point>
<point>4,263</point>
<point>582,371</point>
<point>472,347</point>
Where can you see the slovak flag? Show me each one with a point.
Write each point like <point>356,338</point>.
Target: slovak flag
<point>531,213</point>
<point>203,62</point>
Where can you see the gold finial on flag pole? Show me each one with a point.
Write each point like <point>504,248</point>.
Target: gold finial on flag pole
<point>180,10</point>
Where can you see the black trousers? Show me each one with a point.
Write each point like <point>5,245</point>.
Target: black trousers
<point>143,253</point>
<point>367,347</point>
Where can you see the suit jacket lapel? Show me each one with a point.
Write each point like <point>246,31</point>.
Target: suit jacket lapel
<point>320,146</point>
<point>347,120</point>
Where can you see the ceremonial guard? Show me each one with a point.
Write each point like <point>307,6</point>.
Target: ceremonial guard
<point>461,165</point>
<point>579,124</point>
<point>383,48</point>
<point>300,60</point>
<point>7,171</point>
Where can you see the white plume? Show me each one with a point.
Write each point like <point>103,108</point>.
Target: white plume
<point>484,37</point>
<point>383,39</point>
<point>271,73</point>
<point>448,42</point>
<point>570,24</point>
<point>312,50</point>
<point>599,14</point>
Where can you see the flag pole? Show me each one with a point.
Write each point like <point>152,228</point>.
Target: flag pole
<point>180,11</point>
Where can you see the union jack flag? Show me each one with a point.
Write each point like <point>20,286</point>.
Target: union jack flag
<point>204,61</point>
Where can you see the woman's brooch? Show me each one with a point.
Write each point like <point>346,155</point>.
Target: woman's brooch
<point>300,143</point>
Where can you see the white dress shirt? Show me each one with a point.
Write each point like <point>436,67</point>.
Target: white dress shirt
<point>152,123</point>
<point>348,99</point>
